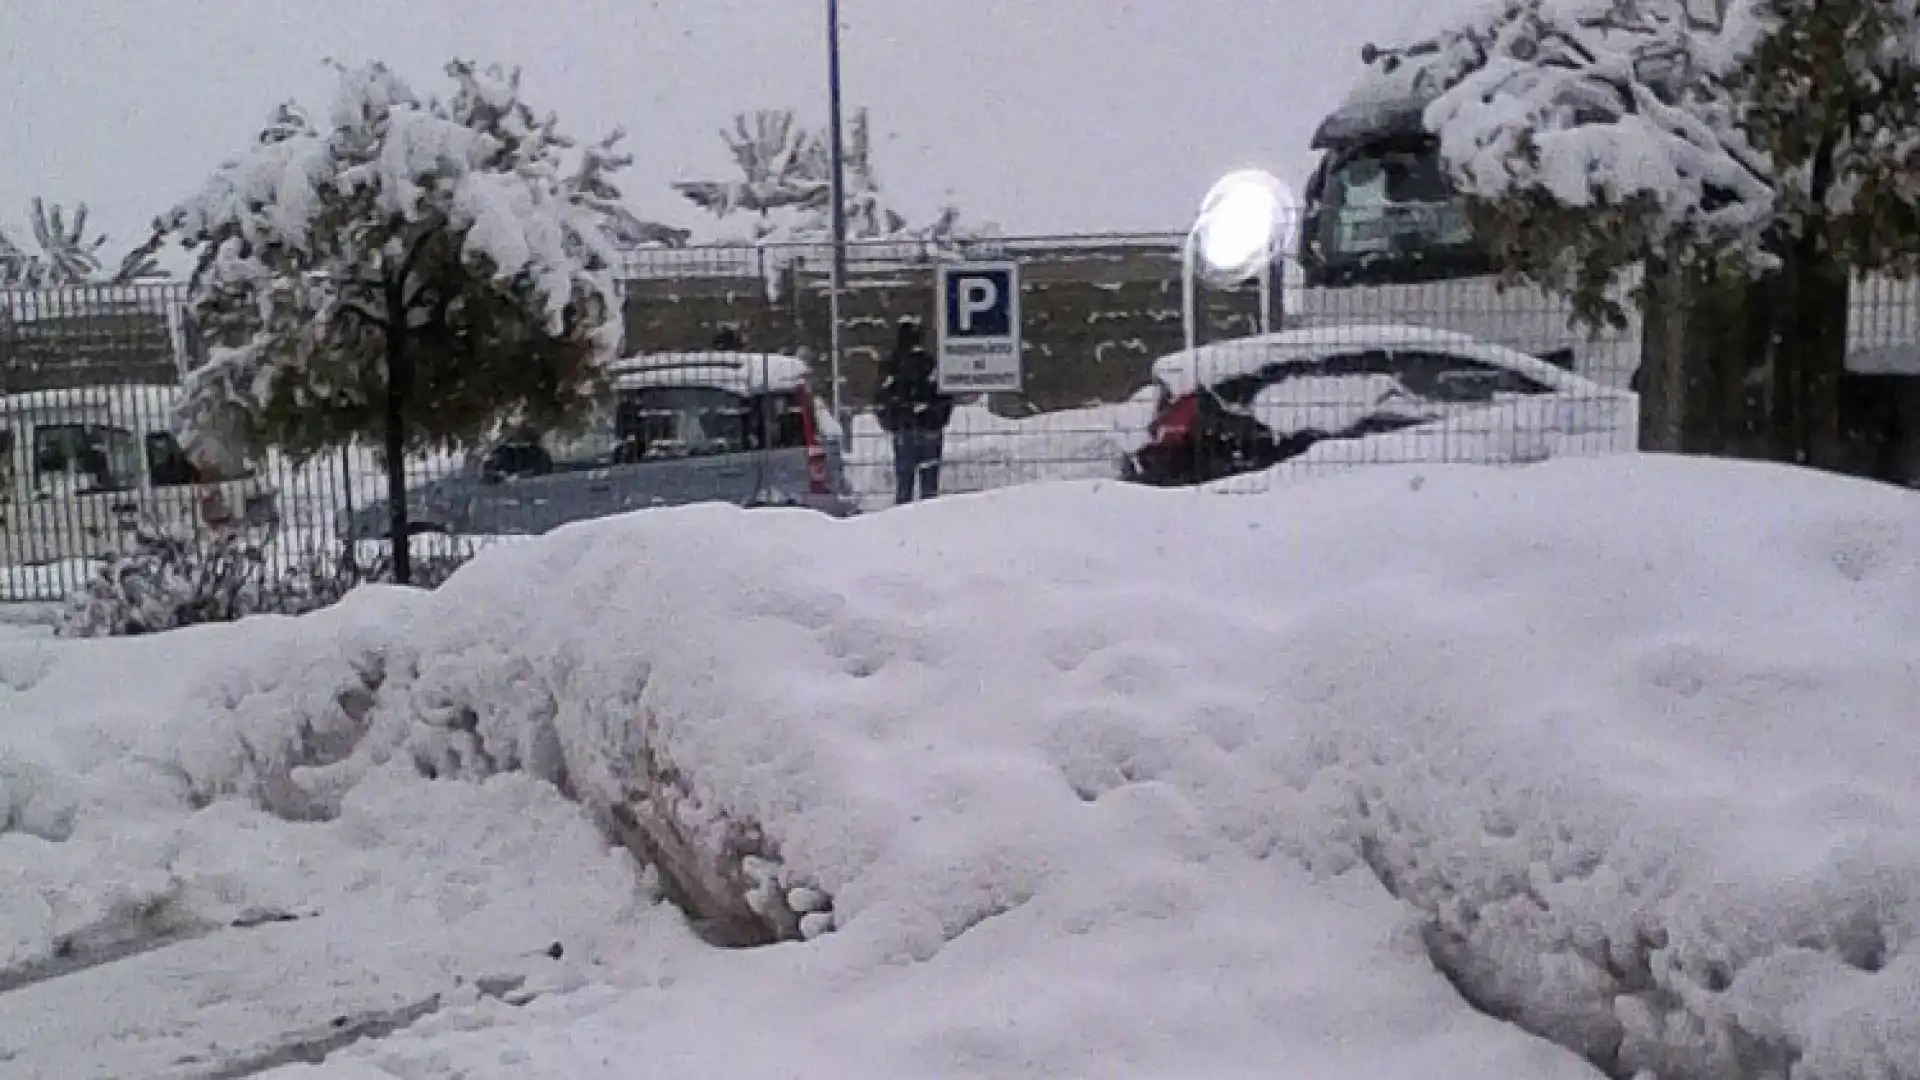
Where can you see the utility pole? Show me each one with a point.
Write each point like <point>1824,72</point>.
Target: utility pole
<point>837,283</point>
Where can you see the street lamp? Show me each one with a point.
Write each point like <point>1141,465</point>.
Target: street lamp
<point>837,281</point>
<point>1241,228</point>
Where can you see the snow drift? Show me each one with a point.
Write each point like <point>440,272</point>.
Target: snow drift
<point>1633,737</point>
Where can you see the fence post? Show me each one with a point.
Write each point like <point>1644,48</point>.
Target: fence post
<point>344,530</point>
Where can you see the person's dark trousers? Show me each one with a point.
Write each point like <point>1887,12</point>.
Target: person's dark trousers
<point>916,458</point>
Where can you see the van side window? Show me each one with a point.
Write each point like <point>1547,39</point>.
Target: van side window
<point>96,457</point>
<point>167,464</point>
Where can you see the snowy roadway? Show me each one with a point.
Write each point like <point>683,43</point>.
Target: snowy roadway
<point>1078,780</point>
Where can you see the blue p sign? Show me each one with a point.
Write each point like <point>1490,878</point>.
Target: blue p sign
<point>979,346</point>
<point>978,303</point>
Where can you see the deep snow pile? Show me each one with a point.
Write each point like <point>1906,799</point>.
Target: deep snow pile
<point>1637,734</point>
<point>1634,737</point>
<point>175,904</point>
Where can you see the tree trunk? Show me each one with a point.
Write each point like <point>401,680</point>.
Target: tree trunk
<point>1696,356</point>
<point>1661,380</point>
<point>1809,355</point>
<point>1729,338</point>
<point>399,385</point>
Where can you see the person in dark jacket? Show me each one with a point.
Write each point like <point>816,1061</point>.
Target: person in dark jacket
<point>912,409</point>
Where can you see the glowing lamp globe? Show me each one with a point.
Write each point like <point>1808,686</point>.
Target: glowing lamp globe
<point>1242,225</point>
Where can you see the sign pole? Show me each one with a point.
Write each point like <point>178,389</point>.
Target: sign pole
<point>1189,289</point>
<point>837,281</point>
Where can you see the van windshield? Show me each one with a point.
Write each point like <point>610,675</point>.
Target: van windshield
<point>1388,213</point>
<point>91,457</point>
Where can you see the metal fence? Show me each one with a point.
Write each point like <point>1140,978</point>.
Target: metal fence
<point>1355,376</point>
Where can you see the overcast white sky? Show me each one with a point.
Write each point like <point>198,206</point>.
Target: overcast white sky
<point>1041,115</point>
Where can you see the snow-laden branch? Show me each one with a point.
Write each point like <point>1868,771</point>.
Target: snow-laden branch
<point>1611,105</point>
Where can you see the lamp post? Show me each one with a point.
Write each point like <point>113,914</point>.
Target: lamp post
<point>1236,236</point>
<point>837,281</point>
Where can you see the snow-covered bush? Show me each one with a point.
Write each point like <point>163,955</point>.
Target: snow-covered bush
<point>176,578</point>
<point>169,579</point>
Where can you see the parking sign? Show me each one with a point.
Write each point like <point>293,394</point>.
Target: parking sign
<point>979,340</point>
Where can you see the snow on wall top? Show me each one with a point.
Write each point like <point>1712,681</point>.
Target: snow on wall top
<point>149,404</point>
<point>740,372</point>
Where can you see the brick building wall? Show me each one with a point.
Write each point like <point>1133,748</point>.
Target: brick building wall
<point>1094,318</point>
<point>1095,315</point>
<point>86,336</point>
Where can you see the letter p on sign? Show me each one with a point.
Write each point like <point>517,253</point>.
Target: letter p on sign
<point>978,296</point>
<point>978,300</point>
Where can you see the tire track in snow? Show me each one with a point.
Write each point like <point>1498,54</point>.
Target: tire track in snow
<point>110,941</point>
<point>315,1045</point>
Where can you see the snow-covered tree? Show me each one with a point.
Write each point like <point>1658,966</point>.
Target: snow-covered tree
<point>406,269</point>
<point>66,256</point>
<point>593,186</point>
<point>786,181</point>
<point>1832,93</point>
<point>869,217</point>
<point>777,171</point>
<point>1588,132</point>
<point>1778,142</point>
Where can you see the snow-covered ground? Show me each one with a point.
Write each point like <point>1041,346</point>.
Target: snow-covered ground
<point>1070,780</point>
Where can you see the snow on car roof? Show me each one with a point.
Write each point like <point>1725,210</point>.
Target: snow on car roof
<point>739,372</point>
<point>1182,373</point>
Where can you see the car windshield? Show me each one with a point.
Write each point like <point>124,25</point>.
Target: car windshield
<point>1389,210</point>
